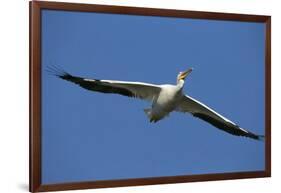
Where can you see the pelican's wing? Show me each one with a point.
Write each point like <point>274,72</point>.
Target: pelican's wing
<point>131,89</point>
<point>201,111</point>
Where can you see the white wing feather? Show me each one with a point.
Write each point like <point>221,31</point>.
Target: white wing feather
<point>191,105</point>
<point>140,90</point>
<point>131,89</point>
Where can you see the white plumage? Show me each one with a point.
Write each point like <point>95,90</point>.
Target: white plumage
<point>164,98</point>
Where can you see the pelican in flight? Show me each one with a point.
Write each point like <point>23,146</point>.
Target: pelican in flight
<point>165,99</point>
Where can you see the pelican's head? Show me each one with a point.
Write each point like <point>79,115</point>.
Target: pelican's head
<point>184,74</point>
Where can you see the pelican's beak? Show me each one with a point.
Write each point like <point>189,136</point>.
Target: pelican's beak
<point>185,73</point>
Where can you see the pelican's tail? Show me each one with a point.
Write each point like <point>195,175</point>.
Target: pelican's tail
<point>148,113</point>
<point>150,116</point>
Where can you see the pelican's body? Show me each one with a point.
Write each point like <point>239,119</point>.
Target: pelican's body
<point>166,102</point>
<point>165,99</point>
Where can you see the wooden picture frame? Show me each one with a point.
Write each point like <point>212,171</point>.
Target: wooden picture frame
<point>35,94</point>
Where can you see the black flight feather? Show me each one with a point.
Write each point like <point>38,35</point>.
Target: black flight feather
<point>90,84</point>
<point>229,128</point>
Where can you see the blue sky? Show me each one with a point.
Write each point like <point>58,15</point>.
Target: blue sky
<point>93,136</point>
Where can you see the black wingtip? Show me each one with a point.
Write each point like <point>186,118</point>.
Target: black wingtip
<point>256,137</point>
<point>57,71</point>
<point>260,137</point>
<point>60,73</point>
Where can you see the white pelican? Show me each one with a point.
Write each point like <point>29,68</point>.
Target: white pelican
<point>164,98</point>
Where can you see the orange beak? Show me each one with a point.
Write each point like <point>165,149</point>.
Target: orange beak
<point>185,73</point>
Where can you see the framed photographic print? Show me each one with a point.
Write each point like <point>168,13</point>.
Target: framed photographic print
<point>123,96</point>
